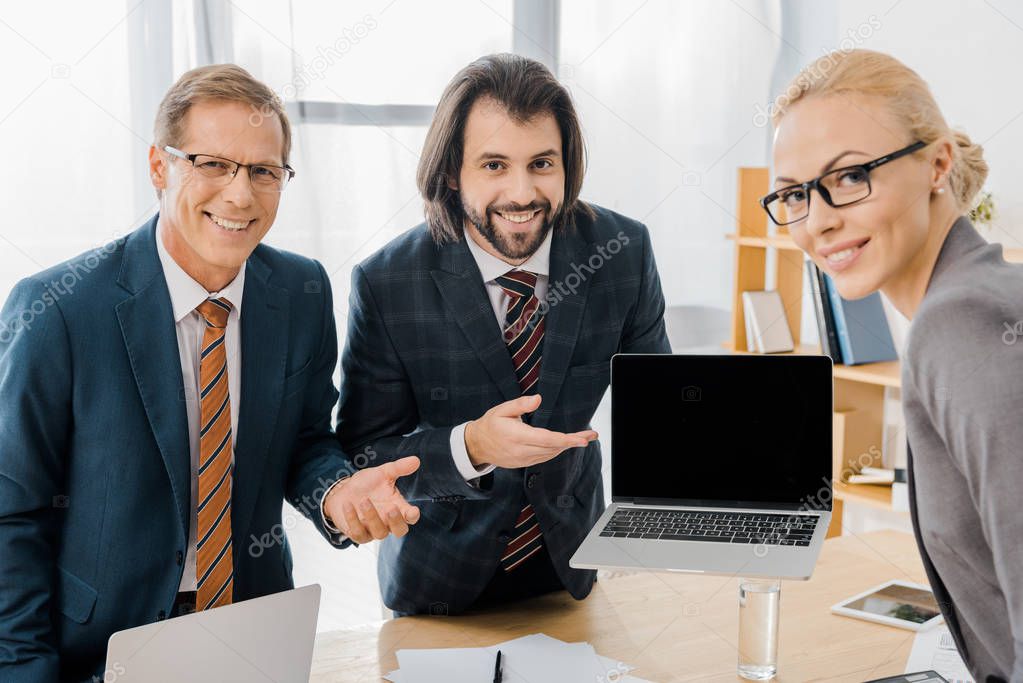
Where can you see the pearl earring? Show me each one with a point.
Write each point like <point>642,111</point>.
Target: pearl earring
<point>941,190</point>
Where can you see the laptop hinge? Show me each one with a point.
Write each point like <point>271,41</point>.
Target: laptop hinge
<point>741,506</point>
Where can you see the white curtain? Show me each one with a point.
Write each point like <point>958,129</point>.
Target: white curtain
<point>70,133</point>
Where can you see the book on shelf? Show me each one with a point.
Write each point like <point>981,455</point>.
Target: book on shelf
<point>900,492</point>
<point>895,441</point>
<point>872,475</point>
<point>822,312</point>
<point>893,447</point>
<point>751,337</point>
<point>861,327</point>
<point>765,318</point>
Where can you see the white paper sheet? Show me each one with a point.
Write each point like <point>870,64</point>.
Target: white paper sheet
<point>531,659</point>
<point>935,649</point>
<point>395,677</point>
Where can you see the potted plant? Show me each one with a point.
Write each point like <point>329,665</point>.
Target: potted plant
<point>983,213</point>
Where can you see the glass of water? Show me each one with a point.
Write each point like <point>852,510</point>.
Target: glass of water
<point>759,601</point>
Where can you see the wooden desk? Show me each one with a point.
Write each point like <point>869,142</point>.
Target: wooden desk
<point>673,627</point>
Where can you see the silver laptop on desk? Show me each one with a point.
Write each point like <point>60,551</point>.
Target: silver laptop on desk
<point>719,465</point>
<point>264,639</point>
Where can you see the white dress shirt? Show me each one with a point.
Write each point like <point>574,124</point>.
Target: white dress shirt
<point>185,295</point>
<point>491,268</point>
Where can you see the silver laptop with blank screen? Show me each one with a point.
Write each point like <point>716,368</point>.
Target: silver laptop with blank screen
<point>719,465</point>
<point>264,639</point>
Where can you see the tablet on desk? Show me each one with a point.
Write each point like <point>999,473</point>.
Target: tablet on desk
<point>895,603</point>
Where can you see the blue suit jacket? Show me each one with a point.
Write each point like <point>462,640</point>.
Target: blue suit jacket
<point>425,353</point>
<point>94,452</point>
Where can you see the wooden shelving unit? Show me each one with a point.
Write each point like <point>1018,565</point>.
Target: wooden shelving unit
<point>878,497</point>
<point>885,374</point>
<point>776,241</point>
<point>859,389</point>
<point>752,244</point>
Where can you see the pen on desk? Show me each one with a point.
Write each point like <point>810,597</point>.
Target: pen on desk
<point>497,668</point>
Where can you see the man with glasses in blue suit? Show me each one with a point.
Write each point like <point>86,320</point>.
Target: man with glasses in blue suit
<point>164,395</point>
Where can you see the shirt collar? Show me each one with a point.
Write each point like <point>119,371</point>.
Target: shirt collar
<point>185,293</point>
<point>492,267</point>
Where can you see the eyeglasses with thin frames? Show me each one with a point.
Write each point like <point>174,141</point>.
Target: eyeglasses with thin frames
<point>263,177</point>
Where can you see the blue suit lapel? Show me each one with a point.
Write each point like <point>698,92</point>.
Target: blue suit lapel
<point>147,326</point>
<point>567,300</point>
<point>264,349</point>
<point>461,286</point>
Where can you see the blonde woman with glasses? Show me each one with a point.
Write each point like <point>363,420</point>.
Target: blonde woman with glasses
<point>874,186</point>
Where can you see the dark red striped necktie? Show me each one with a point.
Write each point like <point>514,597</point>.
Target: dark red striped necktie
<point>523,333</point>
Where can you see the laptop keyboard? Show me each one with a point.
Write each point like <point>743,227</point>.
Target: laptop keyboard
<point>714,527</point>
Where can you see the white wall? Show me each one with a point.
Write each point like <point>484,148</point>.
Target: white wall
<point>970,54</point>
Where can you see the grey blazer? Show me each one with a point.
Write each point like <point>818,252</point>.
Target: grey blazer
<point>962,383</point>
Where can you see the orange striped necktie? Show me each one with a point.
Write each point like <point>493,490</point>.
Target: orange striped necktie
<point>214,569</point>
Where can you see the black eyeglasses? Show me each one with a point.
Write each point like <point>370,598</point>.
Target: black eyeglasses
<point>839,187</point>
<point>264,177</point>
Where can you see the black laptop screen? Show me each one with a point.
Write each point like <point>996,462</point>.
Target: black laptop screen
<point>722,430</point>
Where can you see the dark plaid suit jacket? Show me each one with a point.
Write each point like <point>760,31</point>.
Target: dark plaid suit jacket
<point>425,353</point>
